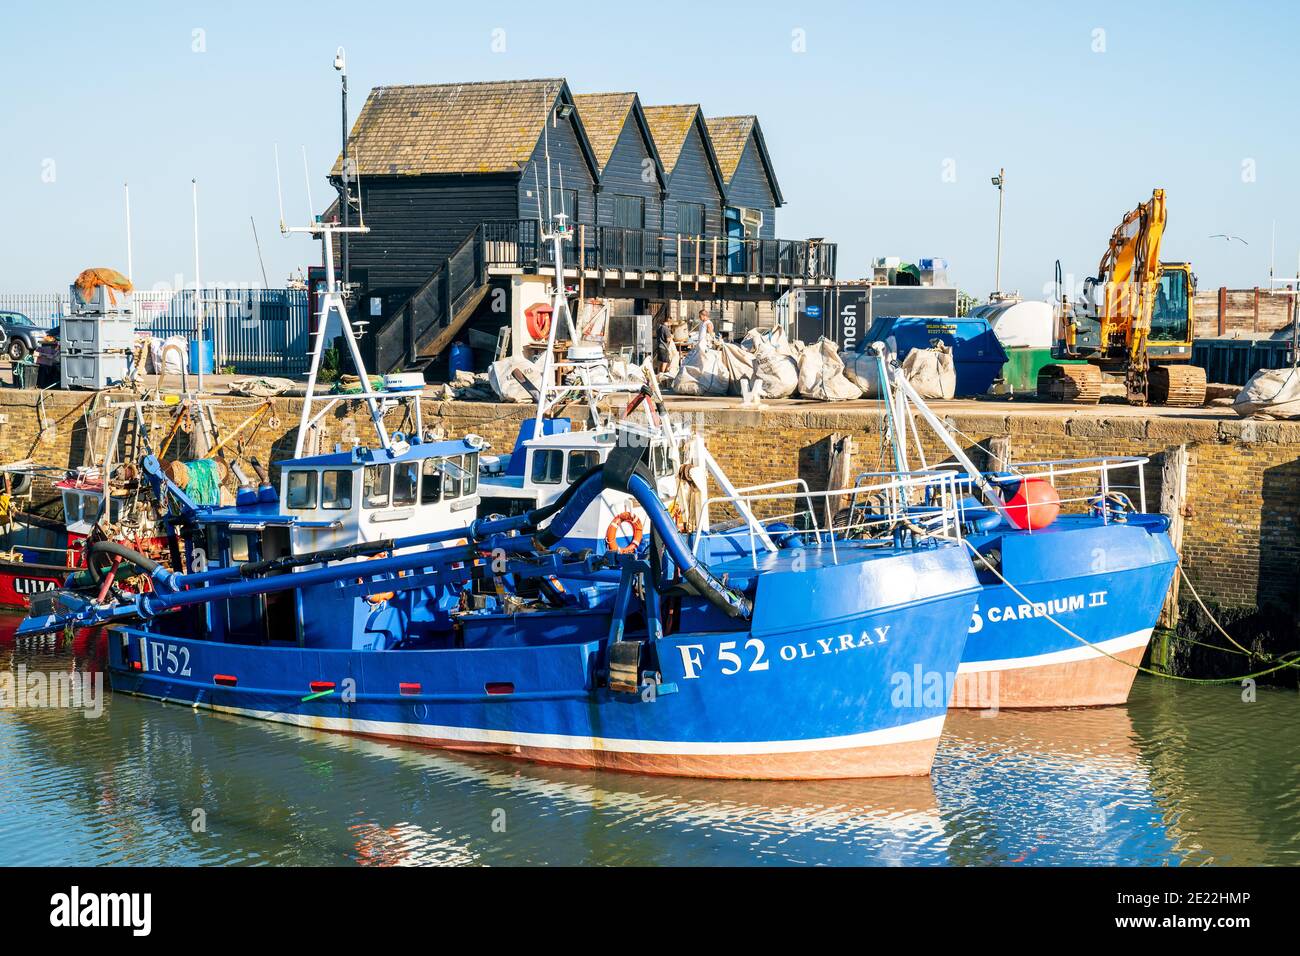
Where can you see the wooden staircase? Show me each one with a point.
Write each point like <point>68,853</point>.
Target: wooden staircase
<point>426,324</point>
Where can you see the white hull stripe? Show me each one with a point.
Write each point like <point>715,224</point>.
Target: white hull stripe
<point>1083,652</point>
<point>928,729</point>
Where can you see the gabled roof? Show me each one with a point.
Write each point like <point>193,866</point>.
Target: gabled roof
<point>455,127</point>
<point>670,125</point>
<point>730,135</point>
<point>604,115</point>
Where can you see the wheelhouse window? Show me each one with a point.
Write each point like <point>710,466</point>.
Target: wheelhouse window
<point>406,483</point>
<point>336,490</point>
<point>548,466</point>
<point>471,473</point>
<point>240,547</point>
<point>580,461</point>
<point>300,490</point>
<point>453,478</point>
<point>430,481</point>
<point>375,488</point>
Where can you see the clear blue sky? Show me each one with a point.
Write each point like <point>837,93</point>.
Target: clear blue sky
<point>862,125</point>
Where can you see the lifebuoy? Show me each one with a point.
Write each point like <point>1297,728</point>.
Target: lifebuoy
<point>537,319</point>
<point>611,533</point>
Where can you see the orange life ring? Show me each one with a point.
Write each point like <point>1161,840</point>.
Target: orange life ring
<point>611,533</point>
<point>537,318</point>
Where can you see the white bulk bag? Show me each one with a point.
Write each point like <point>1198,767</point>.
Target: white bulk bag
<point>508,389</point>
<point>1270,393</point>
<point>776,371</point>
<point>703,372</point>
<point>931,372</point>
<point>821,374</point>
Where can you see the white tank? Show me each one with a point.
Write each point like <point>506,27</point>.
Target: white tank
<point>1019,324</point>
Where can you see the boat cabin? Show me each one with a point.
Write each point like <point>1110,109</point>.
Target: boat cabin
<point>330,501</point>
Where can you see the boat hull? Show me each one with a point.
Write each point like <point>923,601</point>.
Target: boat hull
<point>18,582</point>
<point>1106,584</point>
<point>842,697</point>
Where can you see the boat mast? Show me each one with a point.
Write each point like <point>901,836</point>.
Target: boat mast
<point>333,301</point>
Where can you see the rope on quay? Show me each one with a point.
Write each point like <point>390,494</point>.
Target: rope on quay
<point>1138,667</point>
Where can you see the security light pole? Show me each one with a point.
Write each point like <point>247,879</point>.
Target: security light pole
<point>1000,181</point>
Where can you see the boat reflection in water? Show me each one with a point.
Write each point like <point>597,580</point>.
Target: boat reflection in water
<point>1181,775</point>
<point>1067,787</point>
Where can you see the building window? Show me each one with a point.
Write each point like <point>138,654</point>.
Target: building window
<point>548,467</point>
<point>375,487</point>
<point>301,491</point>
<point>629,212</point>
<point>336,490</point>
<point>568,204</point>
<point>690,218</point>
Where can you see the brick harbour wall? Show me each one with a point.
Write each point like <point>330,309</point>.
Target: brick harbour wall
<point>1241,544</point>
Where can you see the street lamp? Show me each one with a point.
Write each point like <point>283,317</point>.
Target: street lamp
<point>1000,181</point>
<point>341,64</point>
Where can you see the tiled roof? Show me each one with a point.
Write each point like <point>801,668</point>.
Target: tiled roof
<point>603,116</point>
<point>450,127</point>
<point>729,135</point>
<point>669,125</point>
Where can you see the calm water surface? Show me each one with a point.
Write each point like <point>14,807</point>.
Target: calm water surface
<point>1183,774</point>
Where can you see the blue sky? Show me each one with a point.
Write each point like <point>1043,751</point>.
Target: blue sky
<point>884,130</point>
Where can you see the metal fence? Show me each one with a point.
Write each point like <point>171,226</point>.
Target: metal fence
<point>259,331</point>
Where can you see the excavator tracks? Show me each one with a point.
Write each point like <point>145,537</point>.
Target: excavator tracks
<point>1080,384</point>
<point>1179,386</point>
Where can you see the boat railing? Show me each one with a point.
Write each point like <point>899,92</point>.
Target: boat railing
<point>1099,484</point>
<point>924,504</point>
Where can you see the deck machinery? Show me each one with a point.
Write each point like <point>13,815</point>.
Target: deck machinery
<point>1134,318</point>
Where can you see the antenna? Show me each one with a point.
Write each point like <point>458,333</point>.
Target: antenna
<point>361,213</point>
<point>127,189</point>
<point>546,152</point>
<point>257,243</point>
<point>306,175</point>
<point>279,192</point>
<point>537,188</point>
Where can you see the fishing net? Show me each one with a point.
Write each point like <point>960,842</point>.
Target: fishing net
<point>200,480</point>
<point>90,279</point>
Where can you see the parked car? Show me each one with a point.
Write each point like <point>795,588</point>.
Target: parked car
<point>21,334</point>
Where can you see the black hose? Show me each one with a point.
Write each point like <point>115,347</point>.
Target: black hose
<point>112,548</point>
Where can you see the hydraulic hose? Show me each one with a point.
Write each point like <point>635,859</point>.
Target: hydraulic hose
<point>113,548</point>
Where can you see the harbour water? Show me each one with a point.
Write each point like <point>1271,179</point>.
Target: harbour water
<point>1184,774</point>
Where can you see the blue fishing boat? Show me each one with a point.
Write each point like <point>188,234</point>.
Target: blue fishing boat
<point>1074,573</point>
<point>363,597</point>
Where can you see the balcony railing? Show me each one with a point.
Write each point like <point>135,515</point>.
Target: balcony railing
<point>517,244</point>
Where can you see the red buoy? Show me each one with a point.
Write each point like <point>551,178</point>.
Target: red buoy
<point>1034,505</point>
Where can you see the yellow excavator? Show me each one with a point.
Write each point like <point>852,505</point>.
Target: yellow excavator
<point>1134,318</point>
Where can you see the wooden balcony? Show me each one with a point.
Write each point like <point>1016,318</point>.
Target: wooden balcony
<point>615,254</point>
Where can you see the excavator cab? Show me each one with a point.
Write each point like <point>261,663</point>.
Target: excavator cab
<point>1171,312</point>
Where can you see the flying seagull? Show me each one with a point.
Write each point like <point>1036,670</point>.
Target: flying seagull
<point>1220,235</point>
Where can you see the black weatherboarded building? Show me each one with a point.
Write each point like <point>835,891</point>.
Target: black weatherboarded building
<point>670,212</point>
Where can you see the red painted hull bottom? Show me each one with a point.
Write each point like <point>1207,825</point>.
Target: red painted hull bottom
<point>19,582</point>
<point>1096,682</point>
<point>909,759</point>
